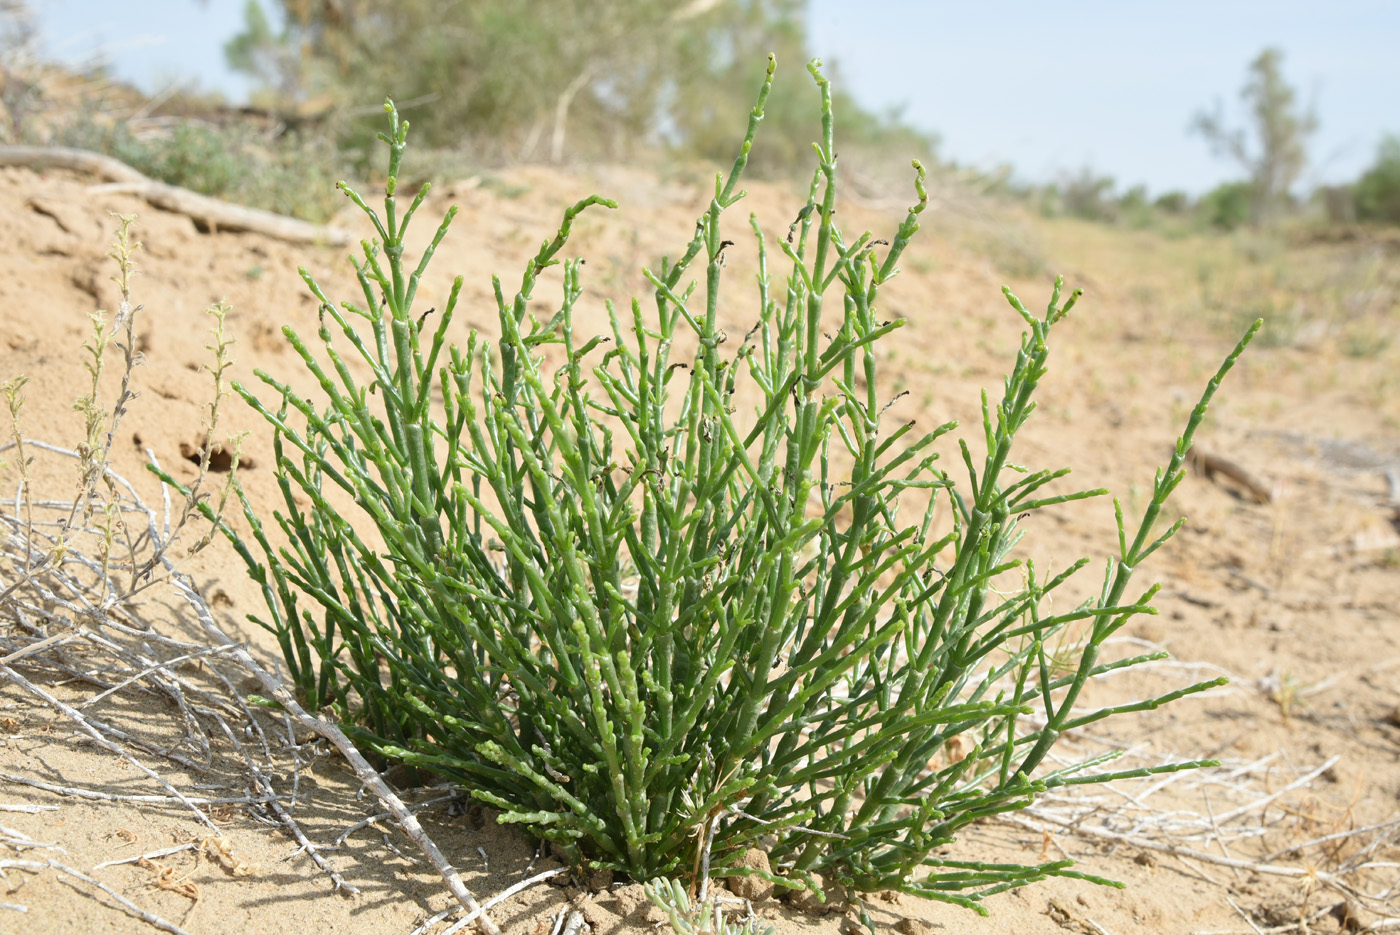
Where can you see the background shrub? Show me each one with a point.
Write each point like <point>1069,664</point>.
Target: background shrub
<point>1377,192</point>
<point>1227,206</point>
<point>289,173</point>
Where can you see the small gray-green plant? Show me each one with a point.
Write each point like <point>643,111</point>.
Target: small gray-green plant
<point>703,917</point>
<point>632,616</point>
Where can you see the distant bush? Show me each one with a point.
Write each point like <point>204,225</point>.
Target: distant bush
<point>1134,207</point>
<point>1227,206</point>
<point>288,173</point>
<point>1173,203</point>
<point>1094,197</point>
<point>1377,192</point>
<point>1088,195</point>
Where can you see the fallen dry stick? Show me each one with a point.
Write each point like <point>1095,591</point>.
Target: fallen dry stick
<point>278,691</point>
<point>382,815</point>
<point>163,852</point>
<point>212,211</point>
<point>341,884</point>
<point>95,795</point>
<point>126,904</point>
<point>499,898</point>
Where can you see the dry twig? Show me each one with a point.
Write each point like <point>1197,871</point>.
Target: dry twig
<point>212,211</point>
<point>499,898</point>
<point>127,905</point>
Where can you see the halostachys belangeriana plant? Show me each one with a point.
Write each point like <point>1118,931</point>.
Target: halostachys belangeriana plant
<point>640,622</point>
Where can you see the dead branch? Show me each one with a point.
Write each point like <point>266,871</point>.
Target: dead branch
<point>340,841</point>
<point>275,689</point>
<point>213,212</point>
<point>363,771</point>
<point>19,841</point>
<point>163,852</point>
<point>77,160</point>
<point>99,600</point>
<point>130,907</point>
<point>94,795</point>
<point>1332,880</point>
<point>311,850</point>
<point>499,898</point>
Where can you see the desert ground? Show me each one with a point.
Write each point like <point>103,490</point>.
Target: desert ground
<point>1287,582</point>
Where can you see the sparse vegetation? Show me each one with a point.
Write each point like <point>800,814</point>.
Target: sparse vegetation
<point>277,171</point>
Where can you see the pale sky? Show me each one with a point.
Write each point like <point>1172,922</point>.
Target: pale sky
<point>1049,87</point>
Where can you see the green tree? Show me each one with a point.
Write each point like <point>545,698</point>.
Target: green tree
<point>1277,155</point>
<point>1226,206</point>
<point>1377,192</point>
<point>506,81</point>
<point>271,56</point>
<point>503,78</point>
<point>1088,195</point>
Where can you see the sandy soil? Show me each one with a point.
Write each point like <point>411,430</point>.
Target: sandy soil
<point>1295,598</point>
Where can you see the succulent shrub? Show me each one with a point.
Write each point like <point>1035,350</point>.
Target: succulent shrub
<point>657,628</point>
